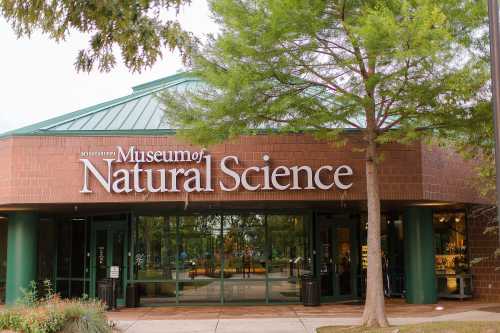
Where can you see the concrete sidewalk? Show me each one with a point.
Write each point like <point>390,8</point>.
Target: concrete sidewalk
<point>278,325</point>
<point>287,318</point>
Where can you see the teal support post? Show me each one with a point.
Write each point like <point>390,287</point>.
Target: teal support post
<point>21,254</point>
<point>420,274</point>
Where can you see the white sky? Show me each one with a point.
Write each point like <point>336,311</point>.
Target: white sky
<point>38,80</point>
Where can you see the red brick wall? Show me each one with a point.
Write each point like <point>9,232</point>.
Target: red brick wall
<point>5,169</point>
<point>448,177</point>
<point>486,278</point>
<point>48,170</point>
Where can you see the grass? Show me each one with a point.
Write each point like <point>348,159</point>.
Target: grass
<point>438,327</point>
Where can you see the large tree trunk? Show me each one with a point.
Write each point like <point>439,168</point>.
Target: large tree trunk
<point>374,312</point>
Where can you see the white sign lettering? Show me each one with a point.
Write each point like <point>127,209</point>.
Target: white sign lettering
<point>140,177</point>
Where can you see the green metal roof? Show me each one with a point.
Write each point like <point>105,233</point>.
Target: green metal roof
<point>138,113</point>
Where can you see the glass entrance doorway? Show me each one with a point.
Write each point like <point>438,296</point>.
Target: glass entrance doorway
<point>338,257</point>
<point>109,244</point>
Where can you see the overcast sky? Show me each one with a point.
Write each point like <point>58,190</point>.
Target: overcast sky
<point>38,80</point>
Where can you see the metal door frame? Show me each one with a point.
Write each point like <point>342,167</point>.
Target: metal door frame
<point>111,227</point>
<point>339,221</point>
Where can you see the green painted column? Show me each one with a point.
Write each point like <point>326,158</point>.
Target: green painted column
<point>420,272</point>
<point>21,254</point>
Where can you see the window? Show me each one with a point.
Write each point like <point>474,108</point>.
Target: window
<point>155,258</point>
<point>72,269</point>
<point>155,248</point>
<point>450,241</point>
<point>209,258</point>
<point>289,255</point>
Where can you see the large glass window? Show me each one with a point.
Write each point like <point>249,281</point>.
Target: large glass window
<point>155,258</point>
<point>155,248</point>
<point>214,258</point>
<point>289,240</point>
<point>199,258</point>
<point>289,255</point>
<point>199,247</point>
<point>245,256</point>
<point>245,247</point>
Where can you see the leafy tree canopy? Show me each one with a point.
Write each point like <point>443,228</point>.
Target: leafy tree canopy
<point>392,69</point>
<point>140,29</point>
<point>298,65</point>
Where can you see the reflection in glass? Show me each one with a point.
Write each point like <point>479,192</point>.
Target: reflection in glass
<point>207,248</point>
<point>199,247</point>
<point>244,291</point>
<point>199,291</point>
<point>284,291</point>
<point>157,293</point>
<point>244,247</point>
<point>155,248</point>
<point>289,239</point>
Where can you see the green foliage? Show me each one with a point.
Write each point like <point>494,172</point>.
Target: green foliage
<point>47,313</point>
<point>395,69</point>
<point>137,27</point>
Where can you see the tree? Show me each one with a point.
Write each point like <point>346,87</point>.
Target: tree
<point>137,27</point>
<point>393,70</point>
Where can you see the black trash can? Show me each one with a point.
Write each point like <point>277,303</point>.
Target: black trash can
<point>303,278</point>
<point>310,290</point>
<point>132,300</point>
<point>105,293</point>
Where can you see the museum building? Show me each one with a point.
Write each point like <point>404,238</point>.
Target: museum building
<point>237,222</point>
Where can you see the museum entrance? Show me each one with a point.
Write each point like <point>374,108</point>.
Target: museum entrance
<point>338,257</point>
<point>109,244</point>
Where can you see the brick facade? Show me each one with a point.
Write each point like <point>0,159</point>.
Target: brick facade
<point>486,278</point>
<point>47,170</point>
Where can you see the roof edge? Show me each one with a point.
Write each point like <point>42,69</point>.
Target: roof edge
<point>169,79</point>
<point>39,128</point>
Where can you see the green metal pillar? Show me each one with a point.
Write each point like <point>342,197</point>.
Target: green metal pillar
<point>21,254</point>
<point>420,272</point>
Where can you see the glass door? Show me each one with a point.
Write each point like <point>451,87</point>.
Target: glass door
<point>345,263</point>
<point>109,248</point>
<point>327,265</point>
<point>338,257</point>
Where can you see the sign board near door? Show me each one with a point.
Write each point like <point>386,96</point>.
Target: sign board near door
<point>114,272</point>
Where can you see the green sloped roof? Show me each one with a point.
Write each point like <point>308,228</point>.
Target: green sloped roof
<point>138,113</point>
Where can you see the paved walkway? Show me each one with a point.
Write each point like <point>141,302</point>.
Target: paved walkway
<point>287,318</point>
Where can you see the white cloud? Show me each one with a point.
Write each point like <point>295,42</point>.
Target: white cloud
<point>38,80</point>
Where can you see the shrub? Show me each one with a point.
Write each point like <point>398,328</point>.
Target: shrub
<point>35,313</point>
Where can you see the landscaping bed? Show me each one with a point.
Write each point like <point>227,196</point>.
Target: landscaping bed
<point>50,314</point>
